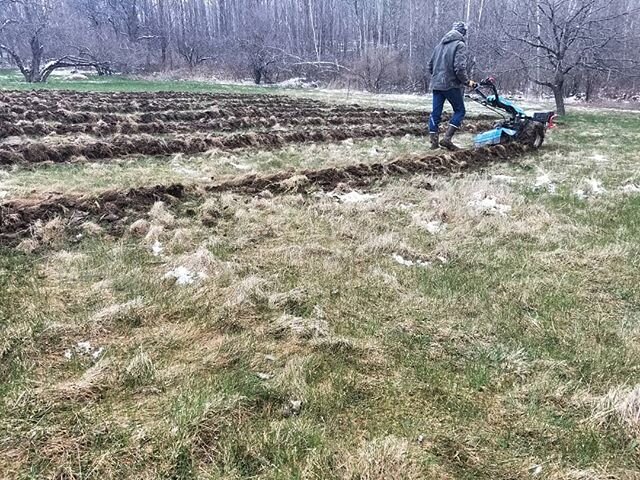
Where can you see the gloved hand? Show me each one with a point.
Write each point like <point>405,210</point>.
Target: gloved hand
<point>472,84</point>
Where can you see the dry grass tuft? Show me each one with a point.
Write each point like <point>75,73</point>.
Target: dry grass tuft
<point>248,291</point>
<point>388,458</point>
<point>154,234</point>
<point>289,299</point>
<point>91,228</point>
<point>161,216</point>
<point>50,233</point>
<point>88,387</point>
<point>294,183</point>
<point>622,405</point>
<point>140,370</point>
<point>304,328</point>
<point>200,421</point>
<point>28,245</point>
<point>213,210</point>
<point>588,474</point>
<point>182,239</point>
<point>380,244</point>
<point>119,312</point>
<point>201,260</point>
<point>140,228</point>
<point>292,379</point>
<point>332,344</point>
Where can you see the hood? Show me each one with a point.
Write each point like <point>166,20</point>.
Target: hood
<point>453,36</point>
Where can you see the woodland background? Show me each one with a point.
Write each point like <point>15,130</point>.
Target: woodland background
<point>558,47</point>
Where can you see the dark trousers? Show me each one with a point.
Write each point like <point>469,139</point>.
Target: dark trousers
<point>455,97</point>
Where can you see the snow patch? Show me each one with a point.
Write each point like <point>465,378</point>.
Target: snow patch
<point>187,172</point>
<point>592,188</point>
<point>354,197</point>
<point>405,207</point>
<point>297,83</point>
<point>595,186</point>
<point>184,276</point>
<point>240,166</point>
<point>157,249</point>
<point>436,226</point>
<point>409,263</point>
<point>84,349</point>
<point>433,227</point>
<point>504,178</point>
<point>76,76</point>
<point>630,188</point>
<point>489,206</point>
<point>544,183</point>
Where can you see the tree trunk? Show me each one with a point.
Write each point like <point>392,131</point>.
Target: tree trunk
<point>37,50</point>
<point>558,94</point>
<point>589,89</point>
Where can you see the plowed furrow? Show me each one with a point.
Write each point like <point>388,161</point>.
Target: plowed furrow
<point>18,114</point>
<point>37,152</point>
<point>113,208</point>
<point>39,129</point>
<point>64,150</point>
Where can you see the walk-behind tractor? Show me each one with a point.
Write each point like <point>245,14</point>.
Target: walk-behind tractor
<point>517,126</point>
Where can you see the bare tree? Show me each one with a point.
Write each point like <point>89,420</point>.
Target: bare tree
<point>562,36</point>
<point>586,47</point>
<point>30,23</point>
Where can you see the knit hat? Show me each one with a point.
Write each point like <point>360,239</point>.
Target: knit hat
<point>460,27</point>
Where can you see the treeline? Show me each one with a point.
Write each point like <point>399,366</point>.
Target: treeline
<point>565,46</point>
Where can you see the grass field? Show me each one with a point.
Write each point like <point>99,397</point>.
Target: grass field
<point>479,325</point>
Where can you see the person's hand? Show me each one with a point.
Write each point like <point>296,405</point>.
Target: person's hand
<point>472,84</point>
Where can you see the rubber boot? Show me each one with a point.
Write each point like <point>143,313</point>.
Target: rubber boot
<point>446,141</point>
<point>435,140</point>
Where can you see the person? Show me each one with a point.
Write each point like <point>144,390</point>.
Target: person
<point>448,69</point>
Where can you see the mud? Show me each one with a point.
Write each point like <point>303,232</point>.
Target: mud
<point>363,173</point>
<point>74,107</point>
<point>18,217</point>
<point>62,151</point>
<point>59,114</point>
<point>113,209</point>
<point>40,129</point>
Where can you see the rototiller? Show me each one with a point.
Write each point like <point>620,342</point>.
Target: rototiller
<point>517,126</point>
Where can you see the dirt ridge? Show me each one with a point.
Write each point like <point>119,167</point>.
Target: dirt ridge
<point>113,208</point>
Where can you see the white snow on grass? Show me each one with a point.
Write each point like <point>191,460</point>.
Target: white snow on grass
<point>409,263</point>
<point>157,249</point>
<point>489,206</point>
<point>591,188</point>
<point>595,187</point>
<point>630,188</point>
<point>544,183</point>
<point>185,171</point>
<point>434,227</point>
<point>84,349</point>
<point>240,166</point>
<point>354,197</point>
<point>504,178</point>
<point>184,276</point>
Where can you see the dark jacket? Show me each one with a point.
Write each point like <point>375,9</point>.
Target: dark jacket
<point>448,64</point>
